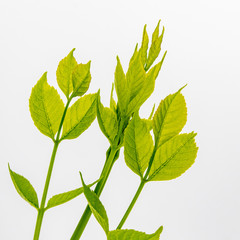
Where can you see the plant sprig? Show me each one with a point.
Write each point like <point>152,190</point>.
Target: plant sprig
<point>165,157</point>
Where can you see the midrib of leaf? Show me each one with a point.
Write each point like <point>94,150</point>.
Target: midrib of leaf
<point>71,129</point>
<point>169,159</point>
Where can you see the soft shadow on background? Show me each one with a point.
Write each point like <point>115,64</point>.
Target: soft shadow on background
<point>202,39</point>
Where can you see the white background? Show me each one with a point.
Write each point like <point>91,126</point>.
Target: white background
<point>203,43</point>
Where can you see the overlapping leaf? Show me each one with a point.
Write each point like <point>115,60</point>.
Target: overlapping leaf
<point>107,120</point>
<point>81,78</point>
<point>174,157</point>
<point>138,145</point>
<point>65,197</point>
<point>24,188</point>
<point>170,117</point>
<point>133,235</point>
<point>64,73</point>
<point>96,207</point>
<point>46,107</point>
<point>79,116</point>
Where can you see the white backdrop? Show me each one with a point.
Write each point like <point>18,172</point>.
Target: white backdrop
<point>203,43</point>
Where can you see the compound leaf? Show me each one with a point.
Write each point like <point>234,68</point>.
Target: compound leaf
<point>174,157</point>
<point>96,207</point>
<point>79,116</point>
<point>24,188</point>
<point>46,107</point>
<point>138,145</point>
<point>64,73</point>
<point>120,234</point>
<point>65,197</point>
<point>107,120</point>
<point>81,78</point>
<point>170,117</point>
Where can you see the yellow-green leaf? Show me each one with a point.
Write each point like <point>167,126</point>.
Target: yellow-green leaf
<point>129,234</point>
<point>46,107</point>
<point>170,117</point>
<point>96,207</point>
<point>155,47</point>
<point>64,73</point>
<point>79,116</point>
<point>24,188</point>
<point>144,46</point>
<point>113,104</point>
<point>121,87</point>
<point>65,197</point>
<point>174,157</point>
<point>138,145</point>
<point>107,120</point>
<point>81,78</point>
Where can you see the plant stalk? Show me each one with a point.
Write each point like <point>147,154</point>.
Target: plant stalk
<point>42,209</point>
<point>124,218</point>
<point>139,190</point>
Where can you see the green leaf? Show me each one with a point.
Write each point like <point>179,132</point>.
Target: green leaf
<point>81,78</point>
<point>79,116</point>
<point>113,104</point>
<point>24,188</point>
<point>174,157</point>
<point>144,46</point>
<point>155,47</point>
<point>146,90</point>
<point>170,117</point>
<point>135,77</point>
<point>64,73</point>
<point>46,107</point>
<point>121,87</point>
<point>120,234</point>
<point>107,120</point>
<point>138,145</point>
<point>65,197</point>
<point>96,207</point>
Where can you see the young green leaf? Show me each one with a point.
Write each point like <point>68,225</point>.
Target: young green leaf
<point>144,46</point>
<point>170,117</point>
<point>120,234</point>
<point>64,73</point>
<point>138,145</point>
<point>107,120</point>
<point>96,207</point>
<point>155,47</point>
<point>121,87</point>
<point>24,188</point>
<point>149,123</point>
<point>46,107</point>
<point>81,78</point>
<point>79,116</point>
<point>174,157</point>
<point>65,197</point>
<point>113,104</point>
<point>135,77</point>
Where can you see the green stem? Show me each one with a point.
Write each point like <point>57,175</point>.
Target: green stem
<point>143,181</point>
<point>42,209</point>
<point>131,204</point>
<point>99,187</point>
